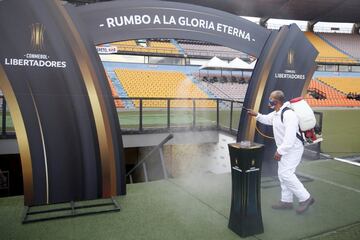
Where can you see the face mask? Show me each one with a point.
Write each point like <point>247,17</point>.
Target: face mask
<point>272,104</point>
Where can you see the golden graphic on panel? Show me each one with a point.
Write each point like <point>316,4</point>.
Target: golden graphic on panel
<point>290,57</point>
<point>37,36</point>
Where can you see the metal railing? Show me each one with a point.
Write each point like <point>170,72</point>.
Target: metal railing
<point>224,114</point>
<point>7,130</point>
<point>219,114</point>
<point>144,159</point>
<point>147,50</point>
<point>172,51</point>
<point>334,60</point>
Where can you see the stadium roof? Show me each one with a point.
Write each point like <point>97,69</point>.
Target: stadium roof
<point>308,10</point>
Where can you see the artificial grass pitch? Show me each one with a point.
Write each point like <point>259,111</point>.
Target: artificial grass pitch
<point>341,131</point>
<point>197,207</point>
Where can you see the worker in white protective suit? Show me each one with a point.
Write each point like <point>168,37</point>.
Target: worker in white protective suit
<point>289,152</point>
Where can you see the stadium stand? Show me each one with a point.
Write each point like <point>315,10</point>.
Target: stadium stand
<point>142,83</point>
<point>118,102</point>
<point>232,91</point>
<point>159,47</point>
<point>163,47</point>
<point>125,45</point>
<point>195,48</point>
<point>161,84</point>
<point>147,82</point>
<point>343,84</point>
<point>327,53</point>
<point>332,98</point>
<point>217,76</point>
<point>348,43</point>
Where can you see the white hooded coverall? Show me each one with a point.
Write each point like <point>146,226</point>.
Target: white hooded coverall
<point>290,148</point>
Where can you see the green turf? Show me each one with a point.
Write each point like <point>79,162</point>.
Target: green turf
<point>344,174</point>
<point>351,232</point>
<point>9,123</point>
<point>156,210</point>
<point>341,131</point>
<point>285,224</point>
<point>157,118</point>
<point>197,207</point>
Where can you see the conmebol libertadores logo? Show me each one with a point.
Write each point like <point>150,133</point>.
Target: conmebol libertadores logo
<point>37,58</point>
<point>291,72</point>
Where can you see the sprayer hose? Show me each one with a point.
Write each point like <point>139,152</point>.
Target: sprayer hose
<point>262,134</point>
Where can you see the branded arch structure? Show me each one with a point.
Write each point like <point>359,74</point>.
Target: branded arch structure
<point>66,123</point>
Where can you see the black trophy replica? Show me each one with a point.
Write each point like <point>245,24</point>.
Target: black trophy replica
<point>245,214</point>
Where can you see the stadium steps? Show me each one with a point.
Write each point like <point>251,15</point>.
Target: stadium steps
<point>120,90</point>
<point>332,45</point>
<point>326,51</point>
<point>118,103</point>
<point>207,90</point>
<point>177,45</point>
<point>204,89</point>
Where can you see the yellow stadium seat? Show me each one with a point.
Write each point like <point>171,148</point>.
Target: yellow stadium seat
<point>327,53</point>
<point>163,47</point>
<point>161,84</point>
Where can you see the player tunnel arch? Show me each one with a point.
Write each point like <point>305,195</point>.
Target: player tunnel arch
<point>66,123</point>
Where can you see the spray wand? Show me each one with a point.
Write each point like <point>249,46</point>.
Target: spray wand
<point>257,129</point>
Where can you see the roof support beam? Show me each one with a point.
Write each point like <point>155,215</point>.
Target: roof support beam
<point>310,25</point>
<point>356,28</point>
<point>263,21</point>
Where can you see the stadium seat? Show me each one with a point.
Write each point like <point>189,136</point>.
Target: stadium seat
<point>348,43</point>
<point>160,47</point>
<point>234,91</point>
<point>209,50</point>
<point>162,84</point>
<point>334,98</point>
<point>343,84</point>
<point>327,53</point>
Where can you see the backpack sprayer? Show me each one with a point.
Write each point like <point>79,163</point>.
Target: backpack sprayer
<point>307,121</point>
<point>309,133</point>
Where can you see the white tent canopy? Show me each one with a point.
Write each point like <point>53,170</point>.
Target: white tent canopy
<point>235,64</point>
<point>238,64</point>
<point>252,65</point>
<point>214,63</point>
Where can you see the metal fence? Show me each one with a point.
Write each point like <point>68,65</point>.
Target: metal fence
<point>148,115</point>
<point>7,128</point>
<point>140,115</point>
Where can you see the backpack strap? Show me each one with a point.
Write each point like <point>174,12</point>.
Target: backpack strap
<point>298,135</point>
<point>282,113</point>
